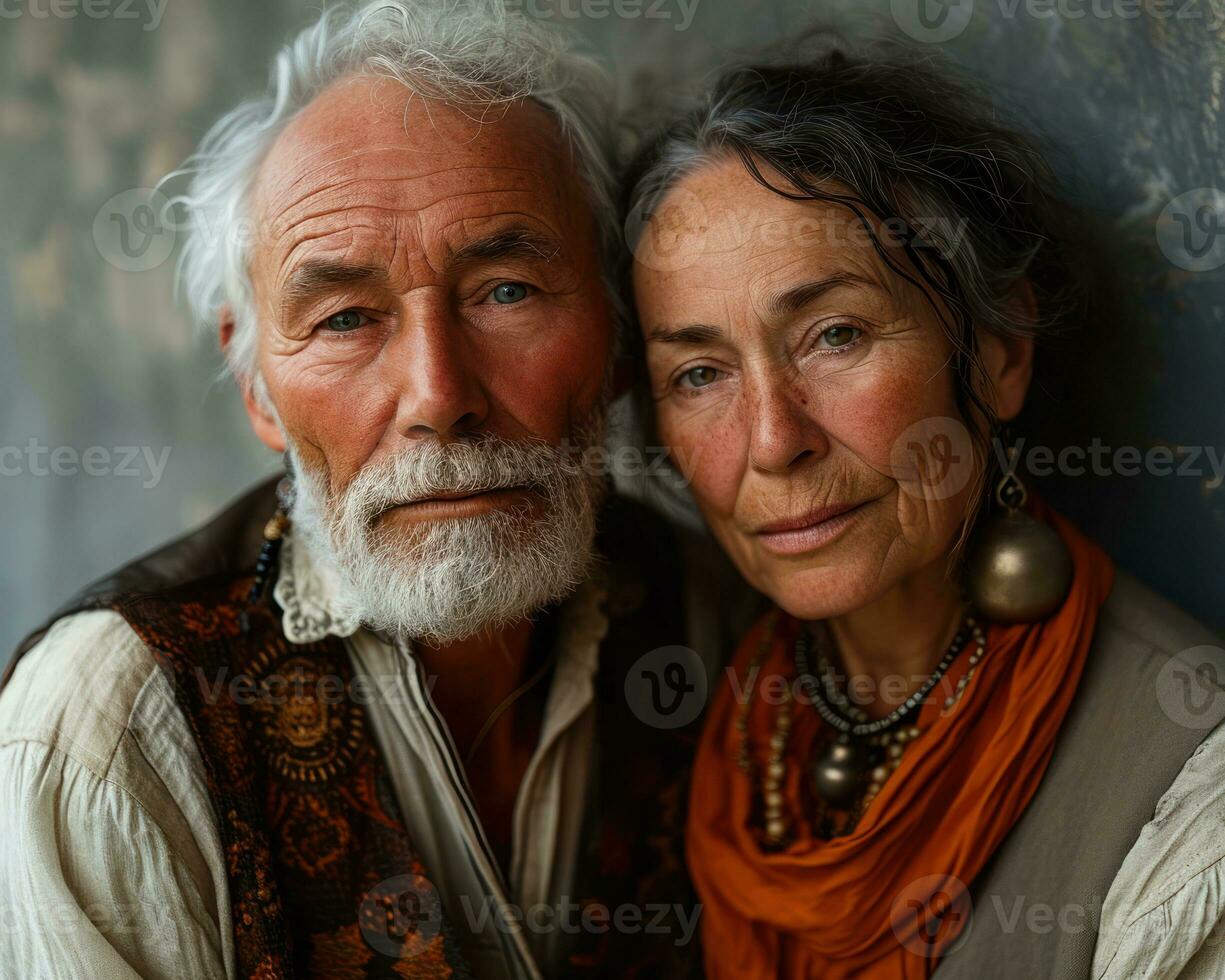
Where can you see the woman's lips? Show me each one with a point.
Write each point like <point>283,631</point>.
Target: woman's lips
<point>799,535</point>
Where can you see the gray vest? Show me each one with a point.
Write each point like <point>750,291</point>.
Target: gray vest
<point>1150,694</point>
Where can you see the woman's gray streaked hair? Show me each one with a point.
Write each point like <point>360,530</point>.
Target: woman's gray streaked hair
<point>892,134</point>
<point>468,52</point>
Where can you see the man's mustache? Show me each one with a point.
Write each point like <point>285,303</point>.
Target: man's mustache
<point>454,469</point>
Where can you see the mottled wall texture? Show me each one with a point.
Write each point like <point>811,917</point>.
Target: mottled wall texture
<point>115,432</point>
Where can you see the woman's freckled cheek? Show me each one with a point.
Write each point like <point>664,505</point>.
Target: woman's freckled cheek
<point>711,455</point>
<point>870,423</point>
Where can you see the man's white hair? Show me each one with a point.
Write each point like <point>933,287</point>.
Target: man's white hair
<point>468,52</point>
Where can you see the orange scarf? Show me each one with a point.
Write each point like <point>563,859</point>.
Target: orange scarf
<point>883,902</point>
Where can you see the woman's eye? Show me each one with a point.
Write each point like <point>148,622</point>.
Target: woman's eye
<point>837,336</point>
<point>509,292</point>
<point>344,321</point>
<point>699,377</point>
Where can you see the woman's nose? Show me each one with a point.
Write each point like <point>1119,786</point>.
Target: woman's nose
<point>783,425</point>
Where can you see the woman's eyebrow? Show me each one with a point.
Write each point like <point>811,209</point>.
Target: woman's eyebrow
<point>793,299</point>
<point>693,334</point>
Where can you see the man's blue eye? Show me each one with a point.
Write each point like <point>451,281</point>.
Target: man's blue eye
<point>509,292</point>
<point>344,320</point>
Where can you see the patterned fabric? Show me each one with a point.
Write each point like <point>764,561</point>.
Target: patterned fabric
<point>321,870</point>
<point>323,876</point>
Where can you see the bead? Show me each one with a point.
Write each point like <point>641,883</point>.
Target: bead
<point>776,769</point>
<point>838,772</point>
<point>276,527</point>
<point>776,829</point>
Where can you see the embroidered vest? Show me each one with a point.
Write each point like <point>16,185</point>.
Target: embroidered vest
<point>323,876</point>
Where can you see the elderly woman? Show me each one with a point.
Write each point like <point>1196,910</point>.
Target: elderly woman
<point>960,743</point>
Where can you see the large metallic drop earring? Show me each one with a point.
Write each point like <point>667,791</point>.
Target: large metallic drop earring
<point>1019,569</point>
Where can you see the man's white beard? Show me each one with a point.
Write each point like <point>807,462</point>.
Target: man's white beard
<point>444,580</point>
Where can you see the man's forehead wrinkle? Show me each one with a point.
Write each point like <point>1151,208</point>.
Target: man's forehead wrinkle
<point>387,224</point>
<point>287,215</point>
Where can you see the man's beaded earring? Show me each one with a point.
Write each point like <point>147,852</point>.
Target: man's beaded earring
<point>274,532</point>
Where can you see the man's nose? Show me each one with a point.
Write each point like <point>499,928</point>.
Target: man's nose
<point>440,388</point>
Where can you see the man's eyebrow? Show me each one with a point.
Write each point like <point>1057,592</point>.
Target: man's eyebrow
<point>795,298</point>
<point>317,276</point>
<point>513,243</point>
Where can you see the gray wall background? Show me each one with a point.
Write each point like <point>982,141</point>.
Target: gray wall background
<point>98,97</point>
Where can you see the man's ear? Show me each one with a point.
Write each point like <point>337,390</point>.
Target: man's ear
<point>1009,361</point>
<point>263,423</point>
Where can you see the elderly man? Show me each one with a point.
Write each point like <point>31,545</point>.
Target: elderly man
<point>392,738</point>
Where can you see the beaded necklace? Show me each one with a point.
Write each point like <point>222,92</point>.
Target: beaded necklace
<point>852,768</point>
